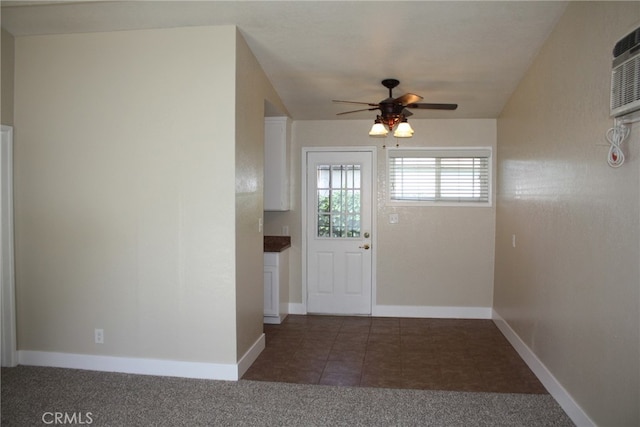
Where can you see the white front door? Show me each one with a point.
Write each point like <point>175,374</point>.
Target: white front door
<point>339,244</point>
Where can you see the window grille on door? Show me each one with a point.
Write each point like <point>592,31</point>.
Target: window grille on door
<point>338,201</point>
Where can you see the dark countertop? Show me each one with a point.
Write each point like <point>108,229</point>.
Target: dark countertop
<point>276,243</point>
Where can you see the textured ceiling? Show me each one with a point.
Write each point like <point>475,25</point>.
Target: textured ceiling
<point>469,53</point>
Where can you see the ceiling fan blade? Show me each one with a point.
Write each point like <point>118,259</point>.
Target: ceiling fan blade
<point>433,106</point>
<point>408,98</point>
<point>355,111</point>
<point>407,113</point>
<point>356,102</point>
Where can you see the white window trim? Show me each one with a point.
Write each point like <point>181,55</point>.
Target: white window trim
<point>471,151</point>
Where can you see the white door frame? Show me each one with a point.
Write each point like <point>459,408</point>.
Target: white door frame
<point>374,197</point>
<point>8,349</point>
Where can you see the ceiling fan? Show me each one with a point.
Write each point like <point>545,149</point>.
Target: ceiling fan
<point>395,110</point>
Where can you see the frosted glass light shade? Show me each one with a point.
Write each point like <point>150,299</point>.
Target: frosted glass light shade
<point>403,130</point>
<point>378,130</point>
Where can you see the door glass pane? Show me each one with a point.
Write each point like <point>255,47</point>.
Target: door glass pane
<point>337,226</point>
<point>323,200</point>
<point>324,227</point>
<point>353,226</point>
<point>323,177</point>
<point>337,176</point>
<point>338,190</point>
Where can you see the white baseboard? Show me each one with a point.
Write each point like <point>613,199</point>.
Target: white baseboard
<point>432,312</point>
<point>297,308</point>
<point>559,393</point>
<point>436,312</point>
<point>132,365</point>
<point>250,356</point>
<point>274,320</point>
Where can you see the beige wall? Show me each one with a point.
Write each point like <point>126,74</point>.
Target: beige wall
<point>570,288</point>
<point>252,87</point>
<point>125,193</point>
<point>6,114</point>
<point>419,260</point>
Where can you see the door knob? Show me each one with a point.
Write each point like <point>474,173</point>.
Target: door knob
<point>365,246</point>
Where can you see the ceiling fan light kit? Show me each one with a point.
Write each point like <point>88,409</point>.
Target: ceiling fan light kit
<point>394,112</point>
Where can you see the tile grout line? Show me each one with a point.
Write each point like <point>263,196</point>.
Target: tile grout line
<point>364,357</point>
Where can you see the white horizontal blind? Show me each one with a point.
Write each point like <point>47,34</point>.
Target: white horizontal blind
<point>430,175</point>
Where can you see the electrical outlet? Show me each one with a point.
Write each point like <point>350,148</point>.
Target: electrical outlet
<point>285,230</point>
<point>99,336</point>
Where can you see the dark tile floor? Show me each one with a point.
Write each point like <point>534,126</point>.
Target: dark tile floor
<point>433,354</point>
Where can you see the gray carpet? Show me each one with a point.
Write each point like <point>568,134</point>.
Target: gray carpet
<point>111,399</point>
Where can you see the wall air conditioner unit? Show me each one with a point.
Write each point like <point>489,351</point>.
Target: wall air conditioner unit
<point>625,75</point>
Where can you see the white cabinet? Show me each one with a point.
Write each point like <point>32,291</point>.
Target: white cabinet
<point>276,163</point>
<point>276,286</point>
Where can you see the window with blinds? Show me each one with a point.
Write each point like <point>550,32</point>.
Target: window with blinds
<point>440,176</point>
